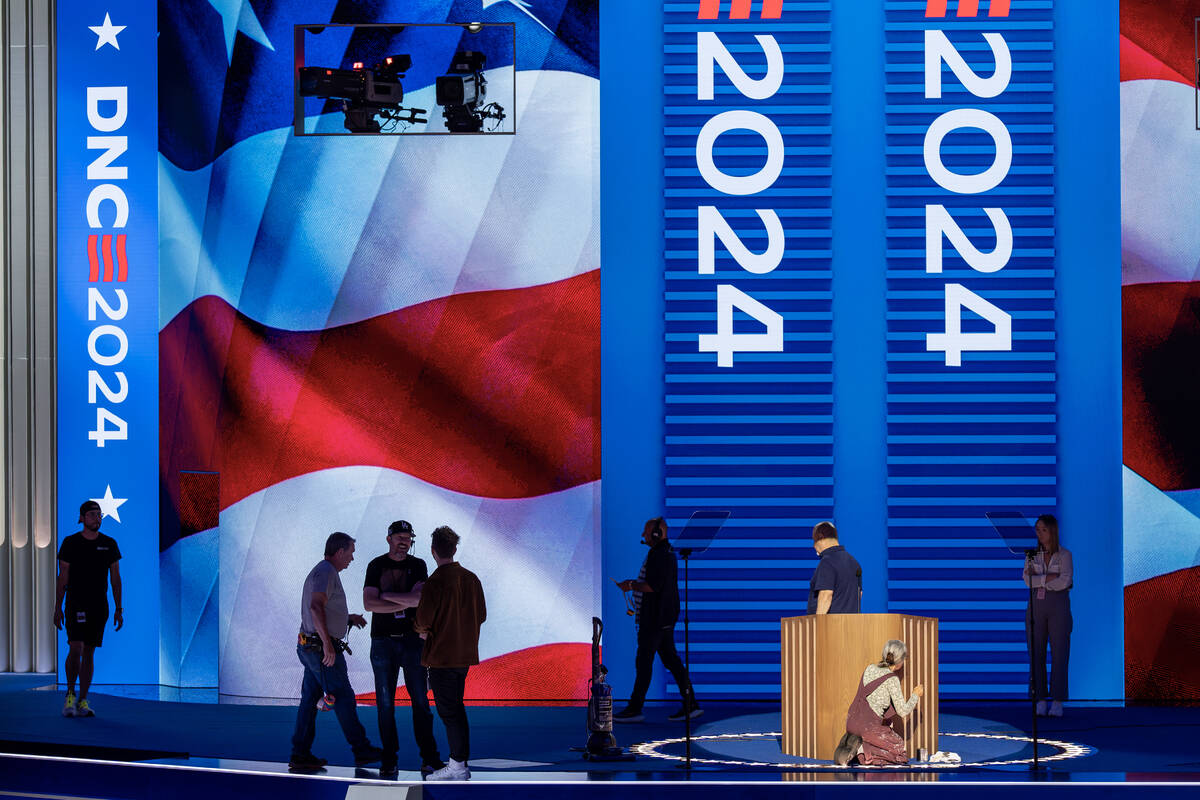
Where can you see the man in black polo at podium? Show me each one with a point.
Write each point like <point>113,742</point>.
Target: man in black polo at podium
<point>836,584</point>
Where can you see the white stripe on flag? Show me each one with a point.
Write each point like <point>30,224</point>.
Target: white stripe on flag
<point>1160,173</point>
<point>535,557</point>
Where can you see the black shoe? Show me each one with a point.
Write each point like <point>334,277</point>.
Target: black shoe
<point>305,762</point>
<point>629,714</point>
<point>847,749</point>
<point>688,710</point>
<point>388,768</point>
<point>368,755</point>
<point>430,767</point>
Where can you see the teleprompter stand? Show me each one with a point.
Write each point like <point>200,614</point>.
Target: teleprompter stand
<point>1020,539</point>
<point>696,537</point>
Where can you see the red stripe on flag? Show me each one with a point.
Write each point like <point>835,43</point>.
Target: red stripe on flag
<point>493,394</point>
<point>739,9</point>
<point>935,8</point>
<point>106,249</point>
<point>1165,30</point>
<point>1138,65</point>
<point>709,9</point>
<point>772,9</point>
<point>548,674</point>
<point>122,261</point>
<point>1162,634</point>
<point>1160,337</point>
<point>999,8</point>
<point>93,260</point>
<point>968,8</point>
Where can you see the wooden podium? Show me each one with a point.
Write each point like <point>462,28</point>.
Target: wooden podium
<point>823,658</point>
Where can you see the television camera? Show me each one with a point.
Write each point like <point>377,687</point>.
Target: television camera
<point>462,93</point>
<point>368,94</point>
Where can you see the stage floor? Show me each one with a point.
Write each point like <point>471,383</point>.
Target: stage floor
<point>200,747</point>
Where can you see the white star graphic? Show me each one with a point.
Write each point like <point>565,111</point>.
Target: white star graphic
<point>107,34</point>
<point>238,15</point>
<point>110,504</point>
<point>521,4</point>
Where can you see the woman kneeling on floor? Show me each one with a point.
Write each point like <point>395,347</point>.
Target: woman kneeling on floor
<point>873,723</point>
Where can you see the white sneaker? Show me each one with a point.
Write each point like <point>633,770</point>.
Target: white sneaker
<point>453,771</point>
<point>69,705</point>
<point>1041,708</point>
<point>1056,709</point>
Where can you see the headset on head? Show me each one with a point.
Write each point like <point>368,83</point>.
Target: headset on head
<point>660,530</point>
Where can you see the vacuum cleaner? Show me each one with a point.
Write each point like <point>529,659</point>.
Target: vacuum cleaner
<point>601,744</point>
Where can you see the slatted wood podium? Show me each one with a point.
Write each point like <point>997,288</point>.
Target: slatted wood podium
<point>823,658</point>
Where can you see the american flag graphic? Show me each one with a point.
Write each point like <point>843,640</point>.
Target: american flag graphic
<point>358,329</point>
<point>1160,170</point>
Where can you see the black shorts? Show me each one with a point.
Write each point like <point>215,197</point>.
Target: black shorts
<point>86,624</point>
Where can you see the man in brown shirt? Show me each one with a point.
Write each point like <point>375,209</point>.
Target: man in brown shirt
<point>449,616</point>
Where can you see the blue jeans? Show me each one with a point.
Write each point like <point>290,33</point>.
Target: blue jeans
<point>321,680</point>
<point>388,657</point>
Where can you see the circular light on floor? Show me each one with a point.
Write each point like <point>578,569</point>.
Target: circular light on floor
<point>1065,750</point>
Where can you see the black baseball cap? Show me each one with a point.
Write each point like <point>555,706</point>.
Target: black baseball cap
<point>400,526</point>
<point>86,506</point>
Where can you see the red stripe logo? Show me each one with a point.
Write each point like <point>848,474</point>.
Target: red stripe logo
<point>740,9</point>
<point>93,260</point>
<point>122,262</point>
<point>967,8</point>
<point>111,257</point>
<point>106,248</point>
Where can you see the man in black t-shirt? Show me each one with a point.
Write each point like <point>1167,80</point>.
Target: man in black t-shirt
<point>391,592</point>
<point>836,583</point>
<point>656,598</point>
<point>86,562</point>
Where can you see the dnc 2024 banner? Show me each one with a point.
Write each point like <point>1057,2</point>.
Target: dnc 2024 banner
<point>107,299</point>
<point>349,330</point>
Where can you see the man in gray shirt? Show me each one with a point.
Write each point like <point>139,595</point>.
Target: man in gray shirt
<point>324,622</point>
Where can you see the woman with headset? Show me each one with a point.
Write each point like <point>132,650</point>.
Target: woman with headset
<point>656,610</point>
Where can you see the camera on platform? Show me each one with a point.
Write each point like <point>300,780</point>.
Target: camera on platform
<point>462,93</point>
<point>372,97</point>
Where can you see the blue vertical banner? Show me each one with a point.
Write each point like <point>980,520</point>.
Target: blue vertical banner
<point>107,303</point>
<point>971,376</point>
<point>748,318</point>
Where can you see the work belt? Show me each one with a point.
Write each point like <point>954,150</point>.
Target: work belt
<point>311,641</point>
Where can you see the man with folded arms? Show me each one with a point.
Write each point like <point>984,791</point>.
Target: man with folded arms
<point>391,592</point>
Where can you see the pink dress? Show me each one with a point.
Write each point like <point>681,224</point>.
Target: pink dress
<point>881,740</point>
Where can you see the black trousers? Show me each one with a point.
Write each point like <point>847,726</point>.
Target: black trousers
<point>1048,621</point>
<point>449,684</point>
<point>662,642</point>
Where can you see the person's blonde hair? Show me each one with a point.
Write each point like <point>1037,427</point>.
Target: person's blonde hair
<point>1051,523</point>
<point>894,652</point>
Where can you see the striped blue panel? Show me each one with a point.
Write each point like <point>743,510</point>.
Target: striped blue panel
<point>754,438</point>
<point>964,440</point>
